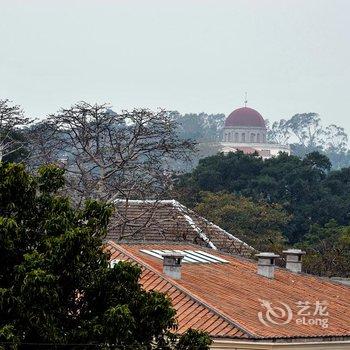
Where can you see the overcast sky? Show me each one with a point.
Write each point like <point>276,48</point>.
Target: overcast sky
<point>290,56</point>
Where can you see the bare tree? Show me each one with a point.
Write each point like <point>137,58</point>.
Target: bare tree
<point>109,155</point>
<point>12,119</point>
<point>336,138</point>
<point>307,128</point>
<point>279,132</point>
<point>42,146</point>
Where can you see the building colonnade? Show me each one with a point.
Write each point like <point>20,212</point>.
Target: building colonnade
<point>245,136</point>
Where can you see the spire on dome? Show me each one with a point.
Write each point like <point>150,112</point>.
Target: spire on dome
<point>245,100</point>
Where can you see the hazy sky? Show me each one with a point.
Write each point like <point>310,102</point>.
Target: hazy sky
<point>290,56</point>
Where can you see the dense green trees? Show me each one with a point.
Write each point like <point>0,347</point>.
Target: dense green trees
<point>305,188</point>
<point>136,154</point>
<point>255,222</point>
<point>328,250</point>
<point>56,286</point>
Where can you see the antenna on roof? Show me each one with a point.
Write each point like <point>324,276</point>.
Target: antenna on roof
<point>245,100</point>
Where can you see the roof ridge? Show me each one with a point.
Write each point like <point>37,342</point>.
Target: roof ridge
<point>166,201</point>
<point>220,229</point>
<point>182,209</point>
<point>184,290</point>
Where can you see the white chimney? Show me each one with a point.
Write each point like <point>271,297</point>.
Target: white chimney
<point>266,264</point>
<point>172,264</point>
<point>294,259</point>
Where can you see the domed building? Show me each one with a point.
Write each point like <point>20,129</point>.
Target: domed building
<point>245,130</point>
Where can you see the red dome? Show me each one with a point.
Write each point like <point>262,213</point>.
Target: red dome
<point>245,116</point>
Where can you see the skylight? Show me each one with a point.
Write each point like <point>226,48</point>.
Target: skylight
<point>190,256</point>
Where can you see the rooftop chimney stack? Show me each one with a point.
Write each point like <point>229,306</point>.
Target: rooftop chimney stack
<point>266,264</point>
<point>172,264</point>
<point>294,259</point>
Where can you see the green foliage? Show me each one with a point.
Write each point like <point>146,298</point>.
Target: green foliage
<point>255,222</point>
<point>194,340</point>
<point>230,172</point>
<point>318,161</point>
<point>51,178</point>
<point>316,201</point>
<point>305,188</point>
<point>328,250</point>
<point>56,285</point>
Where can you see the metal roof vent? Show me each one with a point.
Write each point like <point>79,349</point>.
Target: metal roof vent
<point>294,259</point>
<point>266,264</point>
<point>172,264</point>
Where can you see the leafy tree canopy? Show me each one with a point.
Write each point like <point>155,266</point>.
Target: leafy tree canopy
<point>328,250</point>
<point>305,188</point>
<point>255,222</point>
<point>56,286</point>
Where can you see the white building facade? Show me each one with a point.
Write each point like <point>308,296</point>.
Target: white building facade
<point>245,130</point>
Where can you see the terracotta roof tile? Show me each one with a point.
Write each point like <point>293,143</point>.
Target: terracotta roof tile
<point>225,298</point>
<point>191,313</point>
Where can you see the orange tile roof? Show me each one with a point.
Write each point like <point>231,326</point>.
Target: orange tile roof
<point>190,312</point>
<point>225,298</point>
<point>168,220</point>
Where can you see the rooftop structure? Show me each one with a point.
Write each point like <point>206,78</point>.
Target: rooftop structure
<point>246,117</point>
<point>237,306</point>
<point>245,130</point>
<point>168,220</point>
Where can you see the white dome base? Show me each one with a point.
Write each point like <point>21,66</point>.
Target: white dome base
<point>265,150</point>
